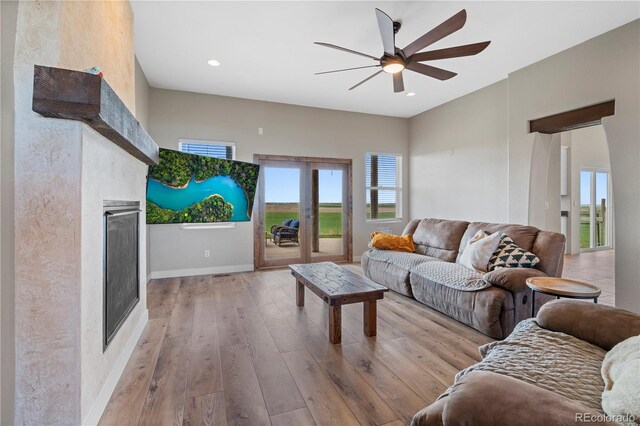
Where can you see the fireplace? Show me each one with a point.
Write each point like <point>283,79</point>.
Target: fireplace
<point>121,264</point>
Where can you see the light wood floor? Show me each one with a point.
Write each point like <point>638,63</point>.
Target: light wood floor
<point>237,350</point>
<point>594,267</point>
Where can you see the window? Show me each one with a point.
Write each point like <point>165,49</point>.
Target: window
<point>224,150</point>
<point>383,186</point>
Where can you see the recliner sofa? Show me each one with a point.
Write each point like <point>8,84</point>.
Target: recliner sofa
<point>492,303</point>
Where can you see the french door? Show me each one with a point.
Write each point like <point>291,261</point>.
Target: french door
<point>304,211</point>
<point>595,210</point>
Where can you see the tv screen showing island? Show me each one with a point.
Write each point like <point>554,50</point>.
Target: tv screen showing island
<point>188,188</point>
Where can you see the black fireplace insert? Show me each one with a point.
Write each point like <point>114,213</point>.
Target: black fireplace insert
<point>121,264</point>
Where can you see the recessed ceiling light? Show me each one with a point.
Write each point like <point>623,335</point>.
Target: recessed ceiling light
<point>411,94</point>
<point>213,63</point>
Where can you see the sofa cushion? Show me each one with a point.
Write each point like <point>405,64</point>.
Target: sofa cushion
<point>439,238</point>
<point>490,311</point>
<point>512,279</point>
<point>577,318</point>
<point>452,275</point>
<point>549,247</point>
<point>554,361</point>
<point>391,268</point>
<point>510,255</point>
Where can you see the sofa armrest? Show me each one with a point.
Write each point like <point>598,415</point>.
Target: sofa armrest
<point>600,325</point>
<point>512,279</point>
<point>484,398</point>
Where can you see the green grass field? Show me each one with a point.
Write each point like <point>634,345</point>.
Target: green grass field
<point>330,222</point>
<point>330,216</point>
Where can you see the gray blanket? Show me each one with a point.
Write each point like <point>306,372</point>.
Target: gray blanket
<point>550,360</point>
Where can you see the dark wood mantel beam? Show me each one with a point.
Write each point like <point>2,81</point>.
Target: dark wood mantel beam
<point>75,95</point>
<point>574,119</point>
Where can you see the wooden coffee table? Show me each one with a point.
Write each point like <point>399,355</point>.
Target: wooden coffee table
<point>561,287</point>
<point>338,286</point>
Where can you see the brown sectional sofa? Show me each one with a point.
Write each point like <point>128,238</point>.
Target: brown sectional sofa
<point>514,384</point>
<point>494,310</point>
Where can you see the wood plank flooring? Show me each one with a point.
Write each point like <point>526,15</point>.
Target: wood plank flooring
<point>236,350</point>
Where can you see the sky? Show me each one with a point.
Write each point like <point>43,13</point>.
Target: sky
<point>585,187</point>
<point>283,185</point>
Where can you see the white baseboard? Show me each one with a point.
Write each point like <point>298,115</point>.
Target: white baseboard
<point>93,417</point>
<point>201,271</point>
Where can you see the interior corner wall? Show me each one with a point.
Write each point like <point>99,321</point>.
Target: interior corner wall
<point>603,68</point>
<point>288,130</point>
<point>459,158</point>
<point>9,17</point>
<point>142,114</point>
<point>142,97</point>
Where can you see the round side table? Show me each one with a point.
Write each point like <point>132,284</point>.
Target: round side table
<point>561,287</point>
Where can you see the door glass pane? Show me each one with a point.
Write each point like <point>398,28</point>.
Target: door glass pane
<point>282,213</point>
<point>585,209</point>
<point>326,213</point>
<point>602,206</point>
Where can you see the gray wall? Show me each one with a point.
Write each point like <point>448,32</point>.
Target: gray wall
<point>603,68</point>
<point>142,96</point>
<point>459,155</point>
<point>600,69</point>
<point>288,130</point>
<point>9,16</point>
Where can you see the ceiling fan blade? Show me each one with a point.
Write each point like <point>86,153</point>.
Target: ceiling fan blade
<point>344,49</point>
<point>365,80</point>
<point>450,52</point>
<point>398,83</point>
<point>434,72</point>
<point>449,26</point>
<point>385,23</point>
<point>347,69</point>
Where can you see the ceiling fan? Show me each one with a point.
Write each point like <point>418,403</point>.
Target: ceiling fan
<point>394,60</point>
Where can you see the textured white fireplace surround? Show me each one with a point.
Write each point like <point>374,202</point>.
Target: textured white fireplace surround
<point>64,171</point>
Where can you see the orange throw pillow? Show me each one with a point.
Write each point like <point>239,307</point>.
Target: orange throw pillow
<point>382,241</point>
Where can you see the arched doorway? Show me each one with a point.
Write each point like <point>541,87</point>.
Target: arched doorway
<point>571,192</point>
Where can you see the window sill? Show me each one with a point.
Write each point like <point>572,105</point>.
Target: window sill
<point>221,225</point>
<point>396,220</point>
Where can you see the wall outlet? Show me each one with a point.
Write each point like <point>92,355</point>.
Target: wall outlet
<point>259,130</point>
<point>207,253</point>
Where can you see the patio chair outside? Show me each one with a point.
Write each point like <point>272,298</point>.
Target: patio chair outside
<point>286,233</point>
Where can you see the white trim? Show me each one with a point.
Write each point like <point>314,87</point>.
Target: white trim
<point>209,225</point>
<point>96,411</point>
<point>148,277</point>
<point>202,271</point>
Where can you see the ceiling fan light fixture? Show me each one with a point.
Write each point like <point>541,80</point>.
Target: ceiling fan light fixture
<point>392,65</point>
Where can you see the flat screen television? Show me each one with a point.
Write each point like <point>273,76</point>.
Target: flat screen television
<point>189,188</point>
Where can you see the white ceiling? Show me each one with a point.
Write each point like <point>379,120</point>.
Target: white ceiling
<point>267,53</point>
